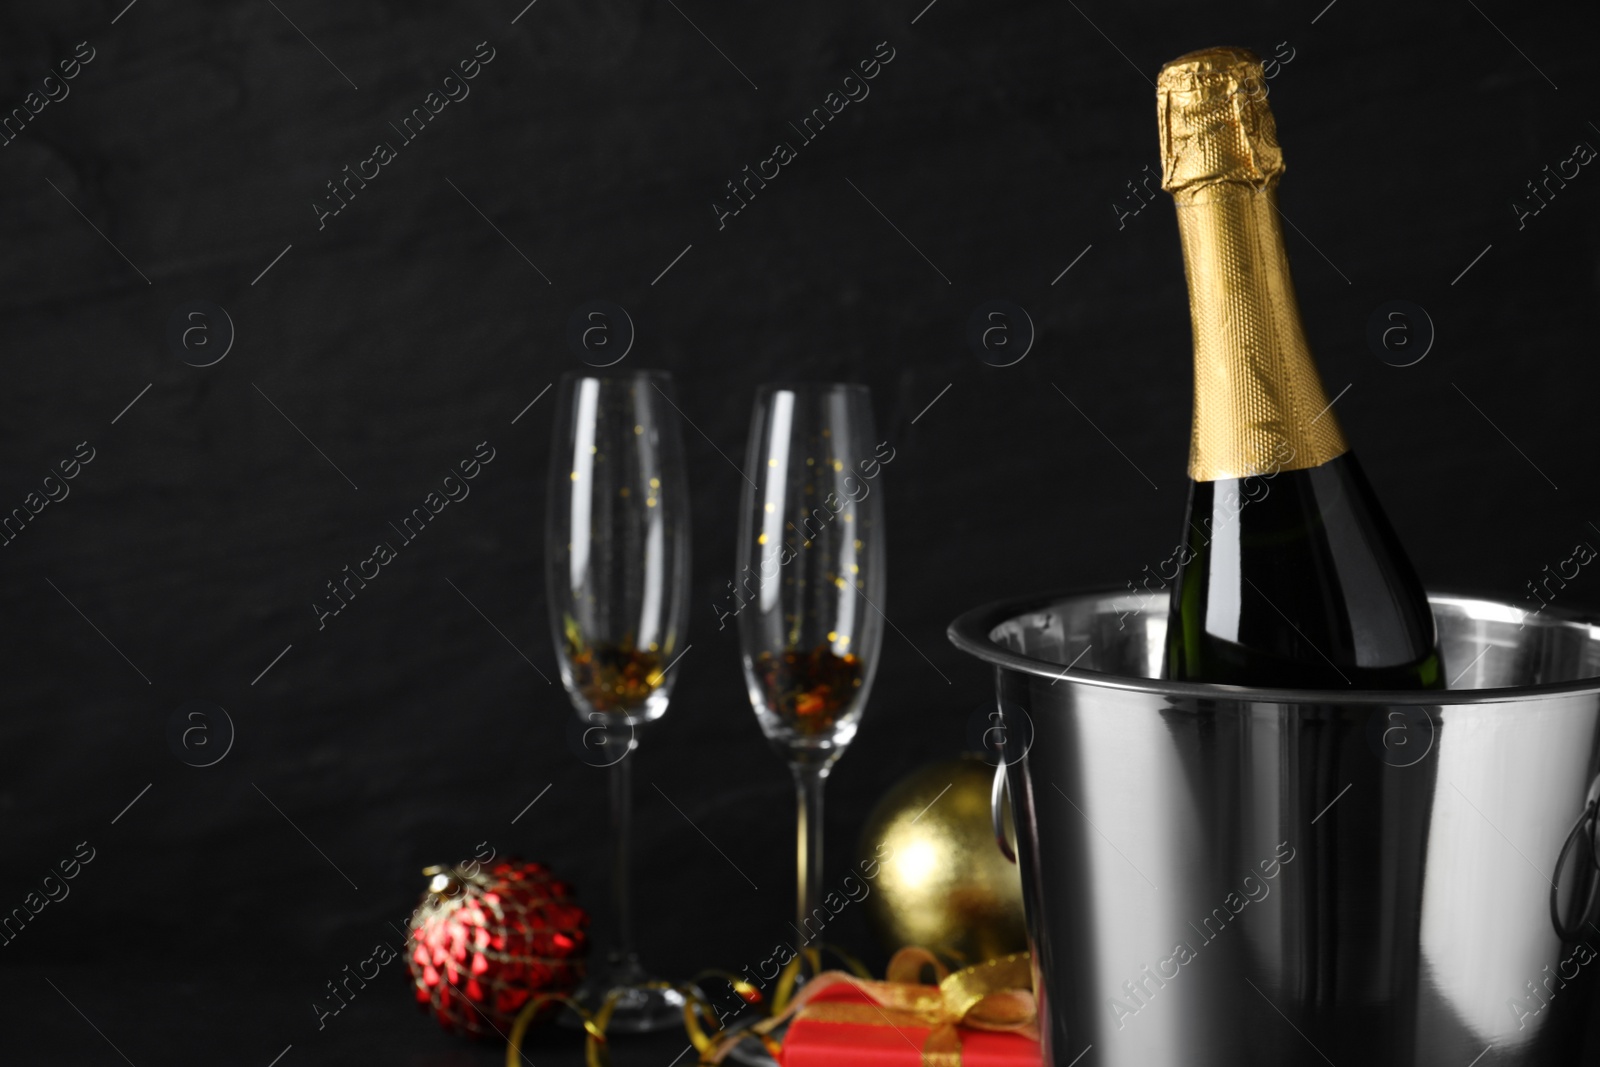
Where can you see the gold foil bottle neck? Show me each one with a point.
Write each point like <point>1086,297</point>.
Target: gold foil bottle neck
<point>1217,133</point>
<point>1259,405</point>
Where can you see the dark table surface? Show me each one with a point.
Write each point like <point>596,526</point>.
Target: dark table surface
<point>153,1015</point>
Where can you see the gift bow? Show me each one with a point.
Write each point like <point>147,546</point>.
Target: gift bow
<point>996,995</point>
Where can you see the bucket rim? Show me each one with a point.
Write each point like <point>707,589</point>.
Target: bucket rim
<point>970,632</point>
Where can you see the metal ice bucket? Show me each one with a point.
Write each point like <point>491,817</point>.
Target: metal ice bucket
<point>1218,875</point>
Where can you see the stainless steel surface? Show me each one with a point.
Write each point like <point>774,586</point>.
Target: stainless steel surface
<point>1218,875</point>
<point>1568,917</point>
<point>997,817</point>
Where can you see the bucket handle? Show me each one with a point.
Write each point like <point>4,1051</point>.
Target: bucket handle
<point>1587,824</point>
<point>997,813</point>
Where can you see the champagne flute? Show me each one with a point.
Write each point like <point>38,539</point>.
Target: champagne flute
<point>617,574</point>
<point>809,592</point>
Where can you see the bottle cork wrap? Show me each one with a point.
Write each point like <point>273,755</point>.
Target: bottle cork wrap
<point>1259,405</point>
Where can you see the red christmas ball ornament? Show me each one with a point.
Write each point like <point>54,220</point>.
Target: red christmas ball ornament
<point>486,939</point>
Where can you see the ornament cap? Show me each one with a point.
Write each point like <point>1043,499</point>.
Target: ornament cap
<point>443,881</point>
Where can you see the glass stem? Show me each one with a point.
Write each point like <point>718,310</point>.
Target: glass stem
<point>622,842</point>
<point>808,781</point>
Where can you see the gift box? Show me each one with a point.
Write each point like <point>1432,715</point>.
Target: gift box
<point>973,1018</point>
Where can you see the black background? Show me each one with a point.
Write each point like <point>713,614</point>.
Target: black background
<point>998,140</point>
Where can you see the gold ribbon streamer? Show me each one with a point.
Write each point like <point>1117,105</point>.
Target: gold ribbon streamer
<point>698,1014</point>
<point>996,995</point>
<point>696,1010</point>
<point>595,1052</point>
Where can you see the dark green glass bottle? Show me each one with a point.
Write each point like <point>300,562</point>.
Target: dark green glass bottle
<point>1305,586</point>
<point>1290,575</point>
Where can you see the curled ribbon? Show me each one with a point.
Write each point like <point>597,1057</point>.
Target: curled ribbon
<point>594,1024</point>
<point>697,1013</point>
<point>996,995</point>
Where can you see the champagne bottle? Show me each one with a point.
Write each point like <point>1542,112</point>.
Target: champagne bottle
<point>1289,574</point>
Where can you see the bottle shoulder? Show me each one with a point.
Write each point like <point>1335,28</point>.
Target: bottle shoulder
<point>1299,573</point>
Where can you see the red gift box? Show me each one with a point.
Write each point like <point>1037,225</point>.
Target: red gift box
<point>851,1022</point>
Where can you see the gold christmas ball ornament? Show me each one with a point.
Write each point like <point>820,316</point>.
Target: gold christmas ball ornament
<point>943,883</point>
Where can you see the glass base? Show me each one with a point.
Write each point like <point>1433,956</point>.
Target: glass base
<point>641,1007</point>
<point>753,1053</point>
